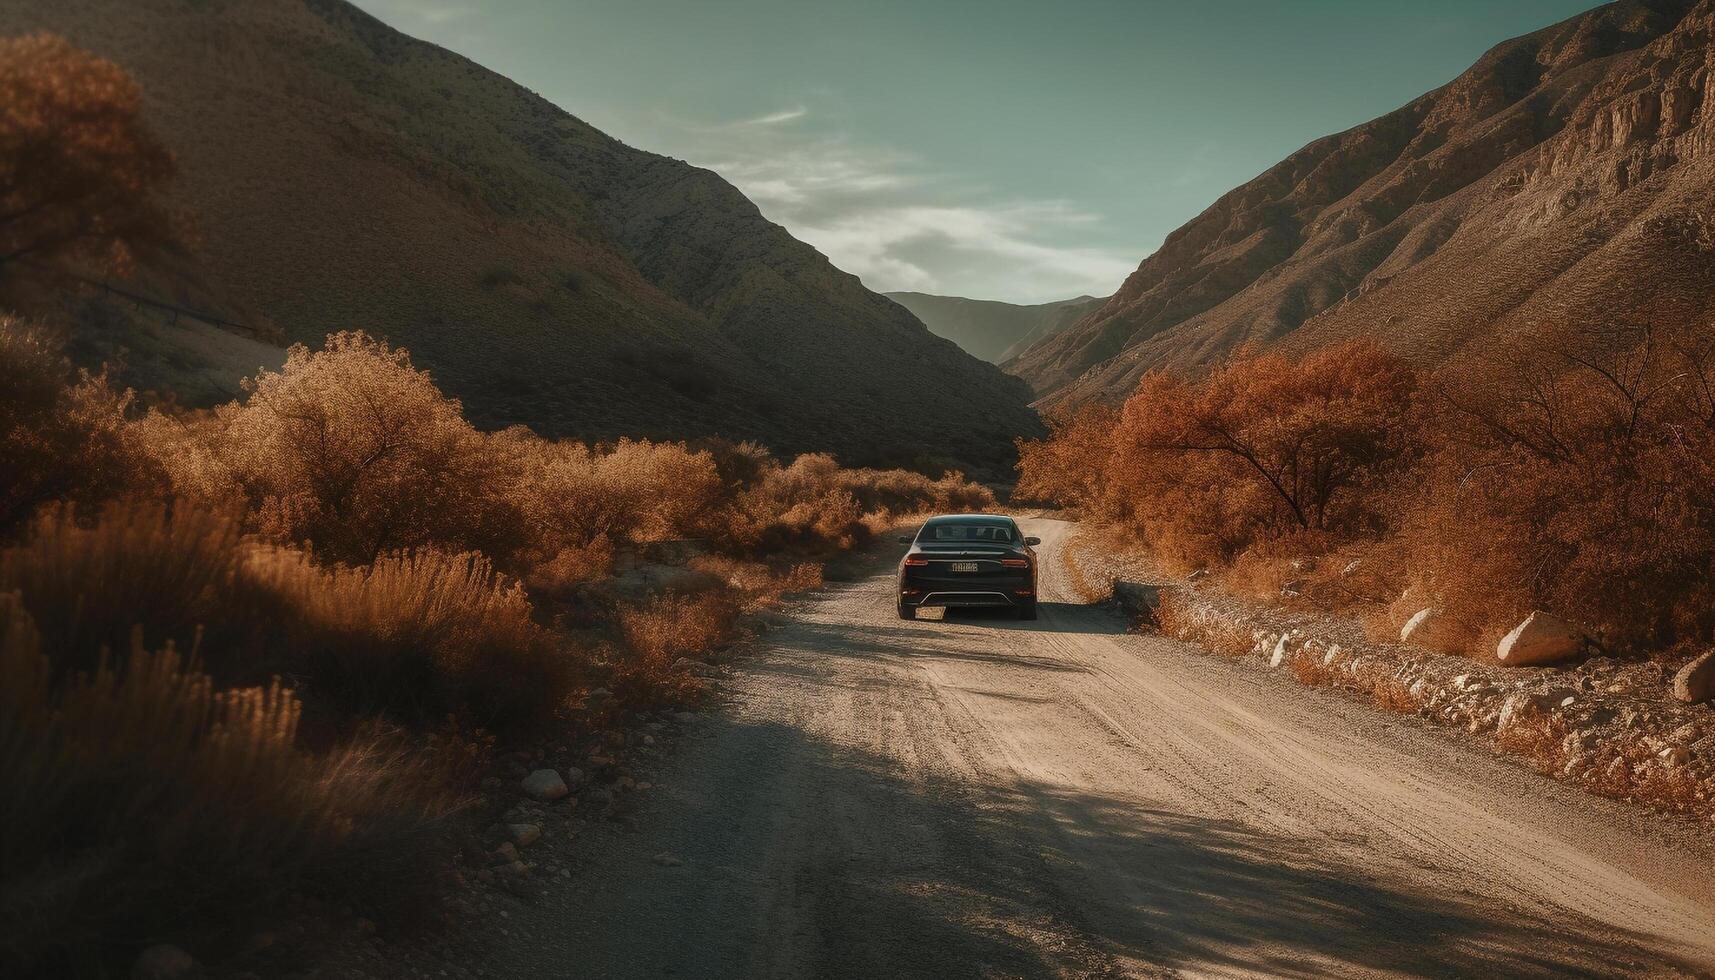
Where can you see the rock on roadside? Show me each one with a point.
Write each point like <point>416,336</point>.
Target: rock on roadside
<point>1542,638</point>
<point>1695,682</point>
<point>1435,630</point>
<point>545,785</point>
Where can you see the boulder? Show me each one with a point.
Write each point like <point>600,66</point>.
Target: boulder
<point>545,785</point>
<point>1695,682</point>
<point>1432,629</point>
<point>1542,638</point>
<point>1282,649</point>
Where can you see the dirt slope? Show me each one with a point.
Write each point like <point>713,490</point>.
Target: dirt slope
<point>1567,177</point>
<point>982,797</point>
<point>991,329</point>
<point>344,175</point>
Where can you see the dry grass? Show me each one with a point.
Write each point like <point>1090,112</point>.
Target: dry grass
<point>346,529</point>
<point>170,575</point>
<point>1392,694</point>
<point>1180,617</point>
<point>417,635</point>
<point>140,800</point>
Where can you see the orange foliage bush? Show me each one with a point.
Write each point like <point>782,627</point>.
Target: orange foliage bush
<point>1574,474</point>
<point>1260,448</point>
<point>1577,475</point>
<point>1069,467</point>
<point>350,449</point>
<point>78,169</point>
<point>63,434</point>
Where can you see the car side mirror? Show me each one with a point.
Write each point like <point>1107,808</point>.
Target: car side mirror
<point>1032,541</point>
<point>904,539</point>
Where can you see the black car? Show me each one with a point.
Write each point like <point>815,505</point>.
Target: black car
<point>968,560</point>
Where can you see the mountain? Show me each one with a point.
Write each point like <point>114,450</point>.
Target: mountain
<point>988,328</point>
<point>343,175</point>
<point>1567,177</point>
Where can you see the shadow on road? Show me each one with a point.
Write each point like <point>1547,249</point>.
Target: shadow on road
<point>803,858</point>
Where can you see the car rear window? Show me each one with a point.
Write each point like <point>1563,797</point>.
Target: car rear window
<point>998,533</point>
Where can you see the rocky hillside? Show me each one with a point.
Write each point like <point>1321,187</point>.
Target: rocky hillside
<point>1568,177</point>
<point>344,175</point>
<point>990,329</point>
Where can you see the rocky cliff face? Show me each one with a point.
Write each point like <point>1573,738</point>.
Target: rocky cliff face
<point>1568,177</point>
<point>344,175</point>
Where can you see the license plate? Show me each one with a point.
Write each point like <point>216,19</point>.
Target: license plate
<point>962,566</point>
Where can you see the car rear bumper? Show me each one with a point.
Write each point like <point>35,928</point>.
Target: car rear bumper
<point>991,590</point>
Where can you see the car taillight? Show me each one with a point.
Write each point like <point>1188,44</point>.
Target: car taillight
<point>1015,562</point>
<point>916,561</point>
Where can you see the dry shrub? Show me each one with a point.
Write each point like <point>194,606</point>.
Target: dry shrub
<point>167,574</point>
<point>1393,694</point>
<point>140,801</point>
<point>419,635</point>
<point>1179,617</point>
<point>571,495</point>
<point>1578,476</point>
<point>815,503</point>
<point>63,434</point>
<point>1308,666</point>
<point>760,582</point>
<point>352,449</point>
<point>656,635</point>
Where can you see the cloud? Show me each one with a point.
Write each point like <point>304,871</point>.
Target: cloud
<point>887,217</point>
<point>777,118</point>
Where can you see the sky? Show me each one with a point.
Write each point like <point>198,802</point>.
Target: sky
<point>1020,151</point>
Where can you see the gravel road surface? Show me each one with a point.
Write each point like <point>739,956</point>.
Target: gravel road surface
<point>984,797</point>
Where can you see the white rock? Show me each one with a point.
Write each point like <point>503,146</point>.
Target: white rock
<point>1281,648</point>
<point>1542,638</point>
<point>1435,630</point>
<point>545,785</point>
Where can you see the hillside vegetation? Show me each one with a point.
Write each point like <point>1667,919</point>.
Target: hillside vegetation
<point>1565,176</point>
<point>253,651</point>
<point>1574,475</point>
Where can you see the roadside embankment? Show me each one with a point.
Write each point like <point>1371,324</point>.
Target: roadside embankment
<point>1609,726</point>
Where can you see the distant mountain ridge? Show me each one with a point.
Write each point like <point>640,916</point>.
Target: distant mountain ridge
<point>344,175</point>
<point>991,329</point>
<point>1567,177</point>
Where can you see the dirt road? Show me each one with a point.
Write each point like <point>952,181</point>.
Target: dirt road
<point>983,797</point>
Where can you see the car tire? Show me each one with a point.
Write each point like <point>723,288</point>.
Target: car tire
<point>1025,610</point>
<point>905,611</point>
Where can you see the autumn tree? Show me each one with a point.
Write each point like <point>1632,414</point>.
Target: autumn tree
<point>1069,466</point>
<point>1304,434</point>
<point>1577,475</point>
<point>79,171</point>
